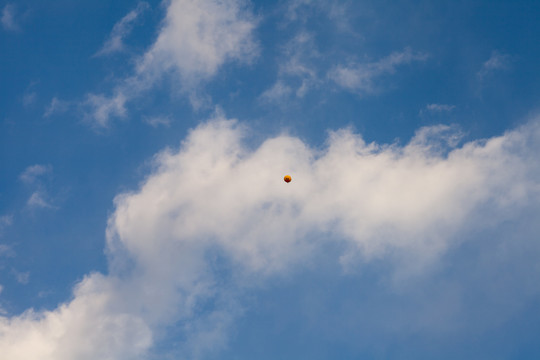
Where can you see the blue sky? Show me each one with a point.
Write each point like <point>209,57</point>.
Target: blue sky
<point>143,213</point>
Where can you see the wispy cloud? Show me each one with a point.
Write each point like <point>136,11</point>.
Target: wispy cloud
<point>437,108</point>
<point>297,73</point>
<point>33,176</point>
<point>121,30</point>
<point>302,10</point>
<point>440,107</point>
<point>56,106</point>
<point>6,250</point>
<point>498,61</point>
<point>156,121</point>
<point>5,221</point>
<point>215,197</point>
<point>8,19</point>
<point>360,77</point>
<point>38,199</point>
<point>21,277</point>
<point>32,173</point>
<point>276,93</point>
<point>197,38</point>
<point>100,108</point>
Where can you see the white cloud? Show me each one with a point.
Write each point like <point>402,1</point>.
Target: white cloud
<point>216,206</point>
<point>197,38</point>
<point>361,77</point>
<point>497,61</point>
<point>32,173</point>
<point>8,18</point>
<point>121,30</point>
<point>100,108</point>
<point>277,92</point>
<point>200,36</point>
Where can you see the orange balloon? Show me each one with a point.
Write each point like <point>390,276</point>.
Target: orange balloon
<point>287,178</point>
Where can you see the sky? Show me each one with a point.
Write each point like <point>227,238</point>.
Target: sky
<point>143,212</point>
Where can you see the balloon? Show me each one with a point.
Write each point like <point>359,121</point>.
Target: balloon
<point>287,178</point>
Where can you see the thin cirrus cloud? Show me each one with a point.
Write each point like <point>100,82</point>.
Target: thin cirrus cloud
<point>360,77</point>
<point>156,121</point>
<point>406,204</point>
<point>39,199</point>
<point>437,109</point>
<point>440,107</point>
<point>32,176</point>
<point>32,173</point>
<point>296,72</point>
<point>122,29</point>
<point>497,62</point>
<point>8,19</point>
<point>56,106</point>
<point>197,38</point>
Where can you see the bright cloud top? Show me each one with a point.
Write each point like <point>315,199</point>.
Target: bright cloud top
<point>216,197</point>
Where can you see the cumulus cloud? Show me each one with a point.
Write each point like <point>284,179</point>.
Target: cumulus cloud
<point>197,38</point>
<point>215,214</point>
<point>360,77</point>
<point>121,30</point>
<point>8,19</point>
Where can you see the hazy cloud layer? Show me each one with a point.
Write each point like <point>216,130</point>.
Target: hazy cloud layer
<point>215,215</point>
